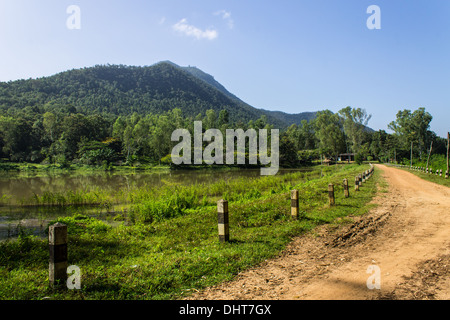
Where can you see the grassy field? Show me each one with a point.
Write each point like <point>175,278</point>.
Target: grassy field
<point>166,244</point>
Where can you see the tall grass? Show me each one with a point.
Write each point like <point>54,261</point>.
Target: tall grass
<point>176,250</point>
<point>148,205</point>
<point>4,199</point>
<point>167,204</point>
<point>437,161</point>
<point>179,197</point>
<point>70,198</point>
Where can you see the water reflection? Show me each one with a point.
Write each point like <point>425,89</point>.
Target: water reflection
<point>15,187</point>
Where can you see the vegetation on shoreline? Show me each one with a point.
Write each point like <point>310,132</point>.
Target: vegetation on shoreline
<point>56,136</point>
<point>431,177</point>
<point>147,202</point>
<point>118,117</point>
<point>60,168</point>
<point>166,254</point>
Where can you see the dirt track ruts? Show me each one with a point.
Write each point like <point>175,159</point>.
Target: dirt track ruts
<point>407,236</point>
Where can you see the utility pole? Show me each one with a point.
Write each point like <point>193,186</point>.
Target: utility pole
<point>411,152</point>
<point>448,149</point>
<point>429,154</point>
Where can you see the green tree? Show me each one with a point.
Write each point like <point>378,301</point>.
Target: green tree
<point>354,121</point>
<point>307,136</point>
<point>50,123</point>
<point>160,138</point>
<point>288,152</point>
<point>119,127</point>
<point>413,127</point>
<point>210,119</point>
<point>330,133</point>
<point>17,138</point>
<point>224,117</point>
<point>128,142</point>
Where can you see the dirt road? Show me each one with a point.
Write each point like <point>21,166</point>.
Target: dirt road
<point>406,237</point>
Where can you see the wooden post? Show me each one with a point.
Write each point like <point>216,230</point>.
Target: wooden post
<point>294,204</point>
<point>331,194</point>
<point>346,191</point>
<point>356,183</point>
<point>57,243</point>
<point>223,221</point>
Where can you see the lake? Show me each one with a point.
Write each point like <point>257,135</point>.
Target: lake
<point>16,188</point>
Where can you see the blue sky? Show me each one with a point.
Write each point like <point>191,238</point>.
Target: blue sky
<point>292,56</point>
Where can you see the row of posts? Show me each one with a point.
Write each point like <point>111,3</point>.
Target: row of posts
<point>222,205</point>
<point>438,172</point>
<point>57,235</point>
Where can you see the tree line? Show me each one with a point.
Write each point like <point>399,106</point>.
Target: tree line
<point>66,136</point>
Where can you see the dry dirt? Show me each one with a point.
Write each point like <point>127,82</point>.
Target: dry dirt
<point>407,236</point>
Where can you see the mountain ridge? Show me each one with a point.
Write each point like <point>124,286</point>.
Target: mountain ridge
<point>121,90</point>
<point>296,118</point>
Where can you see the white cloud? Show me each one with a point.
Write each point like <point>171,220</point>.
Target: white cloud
<point>226,15</point>
<point>183,27</point>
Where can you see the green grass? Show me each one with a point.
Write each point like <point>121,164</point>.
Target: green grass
<point>148,203</point>
<point>69,198</point>
<point>437,161</point>
<point>37,168</point>
<point>430,177</point>
<point>170,255</point>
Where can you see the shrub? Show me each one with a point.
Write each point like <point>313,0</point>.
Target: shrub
<point>79,223</point>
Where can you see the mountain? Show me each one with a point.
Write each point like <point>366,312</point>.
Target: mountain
<point>286,119</point>
<point>122,90</point>
<point>289,118</point>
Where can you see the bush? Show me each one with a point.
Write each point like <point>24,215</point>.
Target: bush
<point>169,205</point>
<point>81,224</point>
<point>359,158</point>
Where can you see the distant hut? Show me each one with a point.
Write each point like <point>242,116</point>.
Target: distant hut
<point>349,157</point>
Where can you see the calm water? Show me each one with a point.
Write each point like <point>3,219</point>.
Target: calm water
<point>15,187</point>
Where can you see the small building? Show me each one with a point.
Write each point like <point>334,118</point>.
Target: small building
<point>349,157</point>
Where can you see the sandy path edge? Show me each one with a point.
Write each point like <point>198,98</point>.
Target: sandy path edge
<point>407,236</point>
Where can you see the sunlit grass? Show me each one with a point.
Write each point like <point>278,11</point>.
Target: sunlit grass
<point>175,252</point>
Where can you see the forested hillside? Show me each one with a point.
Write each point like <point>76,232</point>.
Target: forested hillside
<point>122,115</point>
<point>121,90</point>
